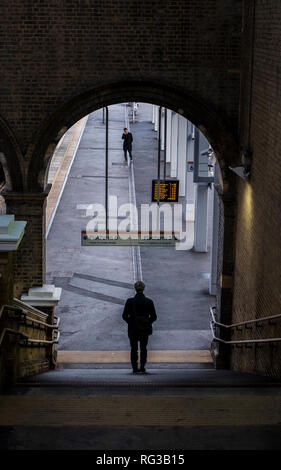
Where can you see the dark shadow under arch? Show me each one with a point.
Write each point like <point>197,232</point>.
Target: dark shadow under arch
<point>11,158</point>
<point>216,129</point>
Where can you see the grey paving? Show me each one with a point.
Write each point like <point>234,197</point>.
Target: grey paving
<point>97,280</point>
<point>90,309</point>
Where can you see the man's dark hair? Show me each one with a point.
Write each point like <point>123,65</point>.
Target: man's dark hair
<point>125,129</point>
<point>139,286</point>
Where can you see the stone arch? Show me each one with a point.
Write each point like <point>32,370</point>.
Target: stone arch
<point>217,129</point>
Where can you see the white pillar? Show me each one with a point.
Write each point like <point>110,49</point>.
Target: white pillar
<point>174,145</point>
<point>163,129</point>
<point>153,114</point>
<point>182,154</point>
<point>169,129</point>
<point>215,238</point>
<point>189,197</point>
<point>189,185</point>
<point>46,296</point>
<point>201,218</point>
<point>156,118</point>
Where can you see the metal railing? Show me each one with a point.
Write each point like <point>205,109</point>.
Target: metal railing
<point>22,309</point>
<point>26,339</point>
<point>243,323</point>
<point>39,322</point>
<point>215,323</point>
<point>43,341</point>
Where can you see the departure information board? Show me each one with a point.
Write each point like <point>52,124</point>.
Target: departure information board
<point>169,190</point>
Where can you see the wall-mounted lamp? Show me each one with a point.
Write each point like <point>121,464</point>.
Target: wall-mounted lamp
<point>244,169</point>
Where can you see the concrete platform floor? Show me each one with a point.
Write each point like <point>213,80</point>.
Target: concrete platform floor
<point>97,280</point>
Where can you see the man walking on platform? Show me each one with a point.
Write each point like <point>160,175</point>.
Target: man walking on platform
<point>139,313</point>
<point>127,144</point>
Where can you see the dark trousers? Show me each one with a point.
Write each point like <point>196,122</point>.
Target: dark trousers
<point>130,153</point>
<point>134,350</point>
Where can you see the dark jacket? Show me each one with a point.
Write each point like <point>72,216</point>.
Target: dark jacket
<point>139,313</point>
<point>128,139</point>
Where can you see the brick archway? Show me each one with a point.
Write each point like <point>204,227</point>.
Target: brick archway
<point>215,127</point>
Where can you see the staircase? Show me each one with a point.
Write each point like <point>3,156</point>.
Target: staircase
<point>172,406</point>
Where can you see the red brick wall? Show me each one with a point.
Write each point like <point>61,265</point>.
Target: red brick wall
<point>52,51</point>
<point>29,259</point>
<point>257,286</point>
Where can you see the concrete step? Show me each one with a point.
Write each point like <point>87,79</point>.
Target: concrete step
<point>169,377</point>
<point>146,410</point>
<point>120,359</point>
<point>120,365</point>
<point>113,409</point>
<point>201,356</point>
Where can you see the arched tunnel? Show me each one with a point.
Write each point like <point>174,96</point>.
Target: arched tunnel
<point>140,226</point>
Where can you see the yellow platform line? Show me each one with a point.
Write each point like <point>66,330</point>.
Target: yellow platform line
<point>87,357</point>
<point>61,173</point>
<point>221,410</point>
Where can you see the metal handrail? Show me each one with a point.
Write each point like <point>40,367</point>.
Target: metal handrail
<point>13,332</point>
<point>57,321</point>
<point>244,341</point>
<point>26,338</point>
<point>47,325</point>
<point>29,308</point>
<point>44,341</point>
<point>233,325</point>
<point>22,311</point>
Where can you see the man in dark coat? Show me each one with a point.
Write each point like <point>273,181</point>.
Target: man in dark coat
<point>139,313</point>
<point>127,144</point>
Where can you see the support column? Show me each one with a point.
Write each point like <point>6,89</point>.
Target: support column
<point>174,145</point>
<point>30,258</point>
<point>182,154</point>
<point>156,118</point>
<point>215,238</point>
<point>201,218</point>
<point>163,129</point>
<point>169,134</point>
<point>224,293</point>
<point>190,186</point>
<point>11,234</point>
<point>153,114</point>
